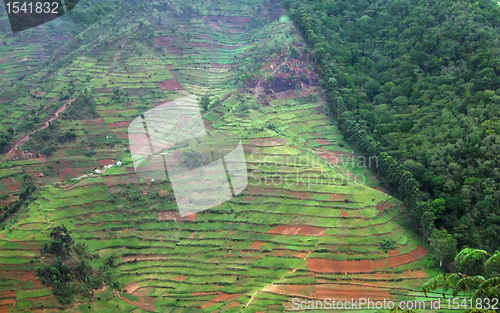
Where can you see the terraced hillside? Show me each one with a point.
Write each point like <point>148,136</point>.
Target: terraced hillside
<point>309,225</point>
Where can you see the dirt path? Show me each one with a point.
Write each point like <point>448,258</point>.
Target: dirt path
<point>111,70</point>
<point>283,277</point>
<point>22,140</point>
<point>50,224</point>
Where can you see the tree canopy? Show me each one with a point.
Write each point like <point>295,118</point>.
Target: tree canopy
<point>419,82</point>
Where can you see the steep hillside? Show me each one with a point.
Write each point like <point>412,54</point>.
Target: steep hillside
<point>312,223</point>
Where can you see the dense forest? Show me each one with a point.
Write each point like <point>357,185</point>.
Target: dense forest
<point>417,85</point>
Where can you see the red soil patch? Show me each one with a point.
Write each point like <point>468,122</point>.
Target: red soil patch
<point>268,142</point>
<point>345,266</point>
<point>171,84</point>
<point>256,245</point>
<point>67,173</point>
<point>297,230</point>
<point>1,72</point>
<point>337,197</point>
<point>7,294</point>
<point>10,301</point>
<point>333,156</point>
<point>12,184</point>
<point>222,297</point>
<point>343,214</point>
<point>381,206</point>
<point>164,41</point>
<point>121,136</point>
<point>118,125</point>
<point>288,254</point>
<point>409,257</point>
<point>300,195</point>
<point>415,274</point>
<point>106,162</point>
<point>97,121</point>
<point>232,305</point>
<point>145,303</point>
<point>324,142</point>
<point>180,278</point>
<point>5,302</point>
<point>175,216</point>
<point>130,288</point>
<point>19,275</point>
<point>393,252</point>
<point>225,297</point>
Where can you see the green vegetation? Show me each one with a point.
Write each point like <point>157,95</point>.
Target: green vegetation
<point>205,103</point>
<point>417,86</point>
<point>68,271</point>
<point>82,108</point>
<point>193,159</point>
<point>387,245</point>
<point>443,246</point>
<point>483,281</point>
<point>48,140</point>
<point>5,139</point>
<point>24,199</point>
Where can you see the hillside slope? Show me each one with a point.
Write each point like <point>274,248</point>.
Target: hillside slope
<point>309,225</point>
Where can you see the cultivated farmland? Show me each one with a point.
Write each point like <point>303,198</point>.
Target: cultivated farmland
<point>309,224</point>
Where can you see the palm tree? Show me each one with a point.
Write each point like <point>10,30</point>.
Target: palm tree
<point>480,263</point>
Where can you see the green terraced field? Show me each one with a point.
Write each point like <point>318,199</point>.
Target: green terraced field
<point>307,226</point>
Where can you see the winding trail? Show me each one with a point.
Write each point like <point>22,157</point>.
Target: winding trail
<point>283,277</point>
<point>22,140</point>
